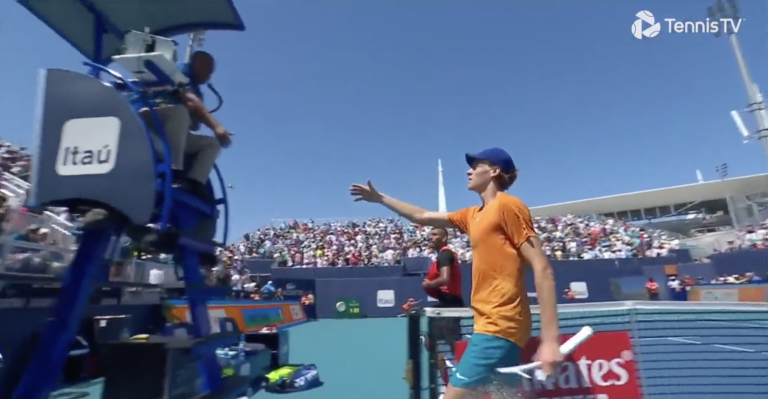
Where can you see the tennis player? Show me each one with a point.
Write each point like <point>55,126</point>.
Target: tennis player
<point>443,280</point>
<point>503,240</point>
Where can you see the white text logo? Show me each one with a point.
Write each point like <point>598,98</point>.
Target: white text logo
<point>309,376</point>
<point>385,298</point>
<point>646,26</point>
<point>88,146</point>
<point>721,25</point>
<point>585,373</point>
<point>579,289</point>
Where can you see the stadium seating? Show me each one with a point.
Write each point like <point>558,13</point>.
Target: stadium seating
<point>387,242</point>
<point>295,244</point>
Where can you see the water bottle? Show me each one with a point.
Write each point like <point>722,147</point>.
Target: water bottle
<point>241,346</point>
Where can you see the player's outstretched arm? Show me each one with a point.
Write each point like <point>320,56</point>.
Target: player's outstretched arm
<point>368,193</point>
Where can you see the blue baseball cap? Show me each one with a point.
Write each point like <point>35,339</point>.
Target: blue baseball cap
<point>496,156</point>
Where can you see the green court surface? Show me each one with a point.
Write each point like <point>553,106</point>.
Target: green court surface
<point>364,357</point>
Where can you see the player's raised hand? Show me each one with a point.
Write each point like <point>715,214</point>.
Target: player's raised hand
<point>365,192</point>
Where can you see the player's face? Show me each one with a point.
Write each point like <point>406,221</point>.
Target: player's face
<point>438,238</point>
<point>480,175</point>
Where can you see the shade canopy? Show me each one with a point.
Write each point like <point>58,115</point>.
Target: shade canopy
<point>96,28</point>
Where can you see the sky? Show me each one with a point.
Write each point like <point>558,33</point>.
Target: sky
<point>321,94</point>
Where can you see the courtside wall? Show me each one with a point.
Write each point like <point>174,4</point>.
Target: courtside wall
<point>381,291</point>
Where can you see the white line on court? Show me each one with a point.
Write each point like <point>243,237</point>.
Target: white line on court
<point>732,323</point>
<point>729,347</point>
<point>657,338</point>
<point>684,340</point>
<point>735,348</point>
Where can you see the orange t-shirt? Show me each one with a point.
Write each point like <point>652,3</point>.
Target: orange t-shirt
<point>499,298</point>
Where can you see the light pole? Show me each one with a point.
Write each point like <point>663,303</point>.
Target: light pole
<point>729,10</point>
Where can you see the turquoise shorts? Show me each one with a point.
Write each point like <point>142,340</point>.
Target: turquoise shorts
<point>484,354</point>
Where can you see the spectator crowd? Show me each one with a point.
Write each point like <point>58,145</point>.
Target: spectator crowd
<point>750,237</point>
<point>385,242</point>
<point>388,241</point>
<point>15,160</point>
<point>337,243</point>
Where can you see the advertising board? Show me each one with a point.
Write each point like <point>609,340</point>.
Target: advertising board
<point>250,316</point>
<point>603,367</point>
<point>729,293</point>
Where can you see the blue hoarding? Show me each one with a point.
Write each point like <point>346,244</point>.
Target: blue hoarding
<point>294,288</point>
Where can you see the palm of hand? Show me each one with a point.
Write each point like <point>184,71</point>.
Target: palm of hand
<point>365,192</point>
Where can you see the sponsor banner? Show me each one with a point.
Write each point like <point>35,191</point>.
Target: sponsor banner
<point>250,316</point>
<point>729,293</point>
<point>579,289</point>
<point>294,288</point>
<point>602,367</point>
<point>726,295</point>
<point>385,298</point>
<point>378,297</point>
<point>348,309</point>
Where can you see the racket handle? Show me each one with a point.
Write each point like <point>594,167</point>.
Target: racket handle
<point>570,345</point>
<point>565,349</point>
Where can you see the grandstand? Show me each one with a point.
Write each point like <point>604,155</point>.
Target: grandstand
<point>699,217</point>
<point>730,202</point>
<point>707,214</point>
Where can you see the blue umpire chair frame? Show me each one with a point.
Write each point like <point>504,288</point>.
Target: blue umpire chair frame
<point>96,152</point>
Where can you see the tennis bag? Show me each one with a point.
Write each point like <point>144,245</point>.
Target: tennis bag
<point>293,378</point>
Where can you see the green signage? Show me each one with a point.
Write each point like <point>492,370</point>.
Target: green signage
<point>348,309</point>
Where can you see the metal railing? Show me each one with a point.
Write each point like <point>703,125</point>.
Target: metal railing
<point>35,258</point>
<point>14,188</point>
<point>60,232</point>
<point>22,252</point>
<point>141,271</point>
<point>53,255</point>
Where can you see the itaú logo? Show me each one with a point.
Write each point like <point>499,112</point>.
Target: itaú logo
<point>645,18</point>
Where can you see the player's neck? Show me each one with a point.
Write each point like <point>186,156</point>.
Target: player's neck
<point>489,194</point>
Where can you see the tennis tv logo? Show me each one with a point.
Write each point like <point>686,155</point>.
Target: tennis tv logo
<point>645,18</point>
<point>645,26</point>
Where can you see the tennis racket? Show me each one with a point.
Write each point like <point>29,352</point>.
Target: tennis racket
<point>565,349</point>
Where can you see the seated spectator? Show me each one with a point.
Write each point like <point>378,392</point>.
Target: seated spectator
<point>15,160</point>
<point>751,277</point>
<point>688,282</point>
<point>268,290</point>
<point>33,234</point>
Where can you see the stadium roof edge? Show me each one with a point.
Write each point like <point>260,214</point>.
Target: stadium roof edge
<point>710,190</point>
